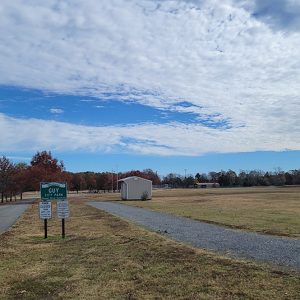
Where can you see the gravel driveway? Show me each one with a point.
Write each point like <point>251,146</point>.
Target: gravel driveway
<point>235,243</point>
<point>9,214</point>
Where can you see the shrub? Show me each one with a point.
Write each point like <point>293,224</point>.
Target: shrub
<point>144,196</point>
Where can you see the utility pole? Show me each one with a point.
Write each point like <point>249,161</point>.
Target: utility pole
<point>117,179</point>
<point>185,178</point>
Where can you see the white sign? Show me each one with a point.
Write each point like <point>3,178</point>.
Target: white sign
<point>63,211</point>
<point>45,210</point>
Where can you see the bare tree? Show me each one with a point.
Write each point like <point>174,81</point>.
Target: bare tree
<point>6,176</point>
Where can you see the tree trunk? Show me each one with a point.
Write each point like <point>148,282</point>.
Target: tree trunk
<point>2,197</point>
<point>21,196</point>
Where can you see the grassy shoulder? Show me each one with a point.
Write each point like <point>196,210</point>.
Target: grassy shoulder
<point>266,210</point>
<point>104,257</point>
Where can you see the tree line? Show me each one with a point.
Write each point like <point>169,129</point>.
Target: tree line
<point>232,179</point>
<point>15,179</point>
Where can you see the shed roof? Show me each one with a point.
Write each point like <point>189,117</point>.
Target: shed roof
<point>209,183</point>
<point>132,177</point>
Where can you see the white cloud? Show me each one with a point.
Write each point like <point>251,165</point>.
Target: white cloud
<point>19,158</point>
<point>56,110</point>
<point>168,139</point>
<point>87,100</point>
<point>214,54</point>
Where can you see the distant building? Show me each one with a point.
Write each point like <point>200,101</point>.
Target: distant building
<point>204,185</point>
<point>136,188</point>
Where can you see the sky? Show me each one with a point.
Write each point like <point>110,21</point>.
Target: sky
<point>177,86</point>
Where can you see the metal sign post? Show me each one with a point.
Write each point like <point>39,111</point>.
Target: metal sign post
<point>63,228</point>
<point>45,229</point>
<point>63,212</point>
<point>45,214</point>
<point>54,191</point>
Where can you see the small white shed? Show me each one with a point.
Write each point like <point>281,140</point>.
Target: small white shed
<point>136,188</point>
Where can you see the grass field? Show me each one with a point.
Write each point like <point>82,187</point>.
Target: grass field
<point>104,257</point>
<point>271,210</point>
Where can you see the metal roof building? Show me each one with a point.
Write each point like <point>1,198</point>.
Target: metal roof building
<point>204,185</point>
<point>136,188</point>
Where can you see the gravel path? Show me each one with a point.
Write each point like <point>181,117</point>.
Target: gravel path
<point>235,243</point>
<point>9,215</point>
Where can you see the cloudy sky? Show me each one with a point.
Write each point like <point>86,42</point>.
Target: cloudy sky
<point>196,84</point>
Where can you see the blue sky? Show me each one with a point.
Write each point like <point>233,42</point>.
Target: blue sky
<point>168,85</point>
<point>28,103</point>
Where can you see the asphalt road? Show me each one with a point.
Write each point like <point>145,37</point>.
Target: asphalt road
<point>235,243</point>
<point>9,214</point>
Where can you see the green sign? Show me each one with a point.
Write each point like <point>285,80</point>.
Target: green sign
<point>53,191</point>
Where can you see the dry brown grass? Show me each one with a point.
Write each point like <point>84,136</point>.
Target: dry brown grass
<point>104,257</point>
<point>272,210</point>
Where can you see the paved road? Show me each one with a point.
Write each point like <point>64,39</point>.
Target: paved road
<point>9,214</point>
<point>235,243</point>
